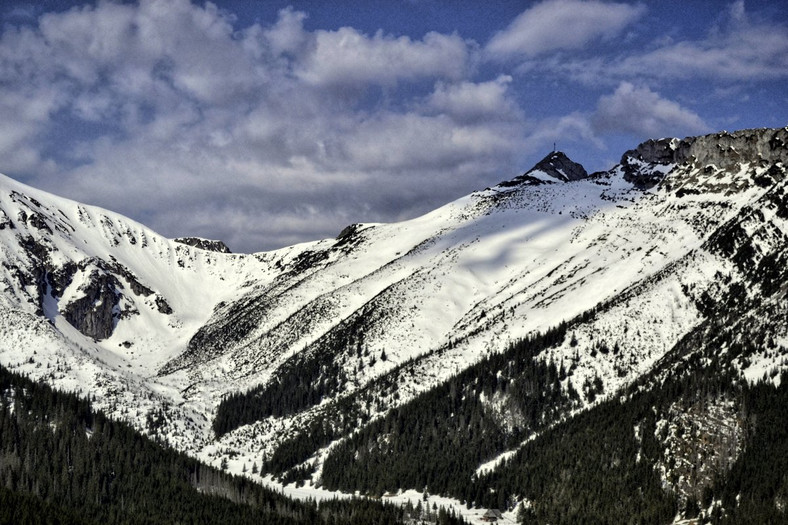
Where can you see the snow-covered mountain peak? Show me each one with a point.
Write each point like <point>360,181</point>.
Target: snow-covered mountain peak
<point>106,277</point>
<point>555,166</point>
<point>561,167</point>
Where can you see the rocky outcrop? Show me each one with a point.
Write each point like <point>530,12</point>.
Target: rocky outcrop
<point>730,151</point>
<point>645,165</point>
<point>556,165</point>
<point>162,305</point>
<point>204,244</point>
<point>561,167</point>
<point>136,286</point>
<point>59,278</point>
<point>350,231</point>
<point>5,221</point>
<point>96,312</point>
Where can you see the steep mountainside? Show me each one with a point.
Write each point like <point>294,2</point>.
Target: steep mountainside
<point>525,304</point>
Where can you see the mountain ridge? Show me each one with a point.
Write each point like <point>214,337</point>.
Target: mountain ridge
<point>339,332</point>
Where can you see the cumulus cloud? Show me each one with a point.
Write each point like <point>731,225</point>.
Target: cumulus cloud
<point>172,113</point>
<point>575,127</point>
<point>555,25</point>
<point>287,35</point>
<point>474,102</point>
<point>347,56</point>
<point>262,136</point>
<point>733,50</point>
<point>629,110</point>
<point>642,112</point>
<point>755,53</point>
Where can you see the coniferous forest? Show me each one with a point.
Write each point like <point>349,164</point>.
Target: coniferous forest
<point>61,462</point>
<point>591,469</point>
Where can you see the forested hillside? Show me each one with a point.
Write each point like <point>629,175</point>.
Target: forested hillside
<point>62,462</point>
<point>606,465</point>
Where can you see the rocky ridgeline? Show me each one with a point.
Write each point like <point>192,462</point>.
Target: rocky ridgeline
<point>204,244</point>
<point>88,291</point>
<point>724,150</point>
<point>97,307</point>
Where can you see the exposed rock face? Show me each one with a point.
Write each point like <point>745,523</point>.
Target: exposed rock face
<point>724,150</point>
<point>60,278</point>
<point>349,231</point>
<point>204,244</point>
<point>162,305</point>
<point>641,165</point>
<point>556,165</point>
<point>5,222</point>
<point>561,167</point>
<point>727,150</point>
<point>35,275</point>
<point>96,309</point>
<point>96,313</point>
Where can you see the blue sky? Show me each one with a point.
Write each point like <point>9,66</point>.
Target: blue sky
<point>270,123</point>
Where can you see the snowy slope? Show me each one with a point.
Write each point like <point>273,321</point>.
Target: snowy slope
<point>517,259</point>
<point>101,300</point>
<point>159,331</point>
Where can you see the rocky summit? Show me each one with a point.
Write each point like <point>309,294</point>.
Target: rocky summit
<point>561,167</point>
<point>204,244</point>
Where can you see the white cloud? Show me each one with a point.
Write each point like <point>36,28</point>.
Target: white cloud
<point>632,110</point>
<point>412,141</point>
<point>348,57</point>
<point>735,50</point>
<point>756,53</point>
<point>555,25</point>
<point>642,112</point>
<point>195,127</point>
<point>572,128</point>
<point>288,35</point>
<point>473,102</point>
